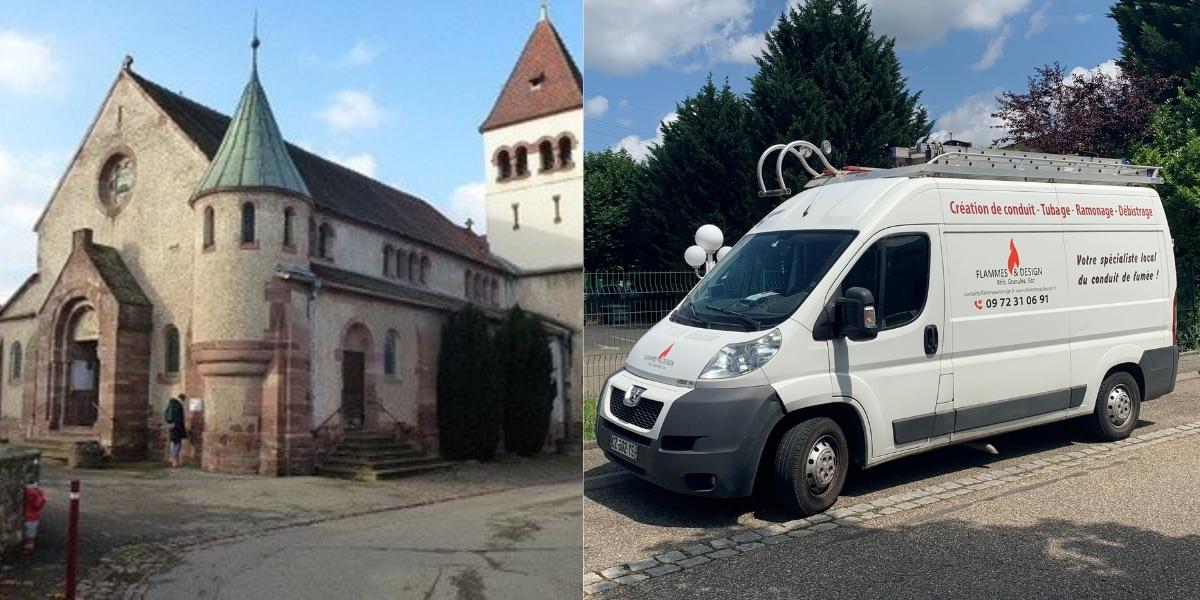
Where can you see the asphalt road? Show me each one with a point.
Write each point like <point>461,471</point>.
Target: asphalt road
<point>515,544</point>
<point>1130,529</point>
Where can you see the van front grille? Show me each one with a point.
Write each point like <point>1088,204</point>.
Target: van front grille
<point>644,415</point>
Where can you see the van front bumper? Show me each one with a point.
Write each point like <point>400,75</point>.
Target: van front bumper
<point>709,442</point>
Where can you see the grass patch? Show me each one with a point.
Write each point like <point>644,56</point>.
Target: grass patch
<point>589,419</point>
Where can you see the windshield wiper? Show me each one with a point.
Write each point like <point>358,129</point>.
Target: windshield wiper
<point>734,313</point>
<point>696,316</point>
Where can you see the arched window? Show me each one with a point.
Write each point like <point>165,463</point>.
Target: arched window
<point>467,285</point>
<point>324,240</point>
<point>400,264</point>
<point>289,216</point>
<point>387,260</point>
<point>495,292</point>
<point>209,227</point>
<point>564,151</point>
<point>546,150</point>
<point>14,373</point>
<point>248,223</point>
<point>414,266</point>
<point>478,285</point>
<point>389,353</point>
<point>425,266</point>
<point>504,165</point>
<point>522,162</point>
<point>171,358</point>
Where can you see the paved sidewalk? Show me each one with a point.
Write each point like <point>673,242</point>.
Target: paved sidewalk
<point>515,544</point>
<point>1119,524</point>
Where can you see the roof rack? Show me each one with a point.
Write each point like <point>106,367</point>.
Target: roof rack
<point>941,160</point>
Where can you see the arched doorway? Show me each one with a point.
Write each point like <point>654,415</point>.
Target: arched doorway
<point>356,347</point>
<point>79,344</point>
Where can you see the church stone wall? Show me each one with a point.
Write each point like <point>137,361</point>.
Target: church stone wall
<point>540,242</point>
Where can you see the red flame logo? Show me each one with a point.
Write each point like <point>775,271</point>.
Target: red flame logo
<point>666,352</point>
<point>1014,259</point>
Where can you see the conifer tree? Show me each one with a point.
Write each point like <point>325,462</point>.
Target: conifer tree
<point>469,409</point>
<point>527,390</point>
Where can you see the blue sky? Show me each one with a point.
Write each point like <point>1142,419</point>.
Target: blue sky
<point>394,89</point>
<point>643,56</point>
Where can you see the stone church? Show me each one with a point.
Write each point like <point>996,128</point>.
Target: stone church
<point>290,298</point>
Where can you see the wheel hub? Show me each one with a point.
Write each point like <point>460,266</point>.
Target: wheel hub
<point>1120,406</point>
<point>821,465</point>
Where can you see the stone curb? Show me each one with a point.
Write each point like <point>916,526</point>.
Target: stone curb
<point>751,539</point>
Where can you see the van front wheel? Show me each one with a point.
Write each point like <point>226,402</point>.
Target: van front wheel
<point>811,462</point>
<point>1118,405</point>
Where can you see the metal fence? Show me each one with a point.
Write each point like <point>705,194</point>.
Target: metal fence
<point>1187,310</point>
<point>618,307</point>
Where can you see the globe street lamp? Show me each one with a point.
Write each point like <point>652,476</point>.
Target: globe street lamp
<point>707,251</point>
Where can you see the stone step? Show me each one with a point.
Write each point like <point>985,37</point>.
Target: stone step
<point>372,445</point>
<point>56,448</point>
<point>361,474</point>
<point>382,465</point>
<point>368,436</point>
<point>374,456</point>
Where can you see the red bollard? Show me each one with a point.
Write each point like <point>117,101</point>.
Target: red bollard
<point>73,539</point>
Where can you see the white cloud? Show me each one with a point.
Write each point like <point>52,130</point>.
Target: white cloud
<point>640,147</point>
<point>971,120</point>
<point>351,110</point>
<point>363,163</point>
<point>917,24</point>
<point>1039,21</point>
<point>994,50</point>
<point>1108,67</point>
<point>467,202</point>
<point>628,36</point>
<point>27,64</point>
<point>363,52</point>
<point>595,106</point>
<point>25,186</point>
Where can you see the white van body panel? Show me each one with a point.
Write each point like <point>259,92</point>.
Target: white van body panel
<point>1036,291</point>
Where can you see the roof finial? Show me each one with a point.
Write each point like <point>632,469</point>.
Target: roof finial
<point>545,9</point>
<point>127,62</point>
<point>254,43</point>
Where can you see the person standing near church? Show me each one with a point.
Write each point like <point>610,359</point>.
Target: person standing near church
<point>178,432</point>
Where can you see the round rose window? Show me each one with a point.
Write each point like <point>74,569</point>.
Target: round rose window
<point>116,180</point>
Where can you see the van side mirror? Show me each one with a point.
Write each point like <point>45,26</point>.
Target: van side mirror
<point>855,315</point>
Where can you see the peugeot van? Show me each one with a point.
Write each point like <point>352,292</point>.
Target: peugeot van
<point>883,313</point>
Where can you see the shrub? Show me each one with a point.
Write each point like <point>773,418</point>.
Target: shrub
<point>469,410</point>
<point>527,387</point>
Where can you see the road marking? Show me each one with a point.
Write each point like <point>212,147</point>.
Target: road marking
<point>603,347</point>
<point>597,581</point>
<point>624,339</point>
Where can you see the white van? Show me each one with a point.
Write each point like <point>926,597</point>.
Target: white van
<point>884,313</point>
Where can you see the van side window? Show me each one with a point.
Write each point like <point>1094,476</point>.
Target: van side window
<point>896,271</point>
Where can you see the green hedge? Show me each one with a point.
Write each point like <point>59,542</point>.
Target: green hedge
<point>469,409</point>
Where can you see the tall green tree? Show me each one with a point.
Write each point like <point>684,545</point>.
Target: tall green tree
<point>469,410</point>
<point>825,76</point>
<point>1159,39</point>
<point>609,181</point>
<point>525,369</point>
<point>702,172</point>
<point>1175,146</point>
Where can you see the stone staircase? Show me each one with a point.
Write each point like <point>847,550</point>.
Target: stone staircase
<point>55,447</point>
<point>376,457</point>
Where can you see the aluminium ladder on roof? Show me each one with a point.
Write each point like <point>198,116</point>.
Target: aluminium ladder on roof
<point>960,162</point>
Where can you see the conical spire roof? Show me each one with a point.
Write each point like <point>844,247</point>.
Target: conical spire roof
<point>253,154</point>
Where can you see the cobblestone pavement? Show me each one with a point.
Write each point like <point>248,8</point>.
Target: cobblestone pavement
<point>137,519</point>
<point>635,532</point>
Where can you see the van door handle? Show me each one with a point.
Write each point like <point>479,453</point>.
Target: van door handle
<point>931,340</point>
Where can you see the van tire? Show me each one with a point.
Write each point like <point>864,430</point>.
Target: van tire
<point>799,469</point>
<point>1118,405</point>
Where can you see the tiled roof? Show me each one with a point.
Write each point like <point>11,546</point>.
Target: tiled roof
<point>350,280</point>
<point>334,188</point>
<point>545,57</point>
<point>114,273</point>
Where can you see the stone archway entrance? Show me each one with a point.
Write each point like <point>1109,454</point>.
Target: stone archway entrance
<point>77,405</point>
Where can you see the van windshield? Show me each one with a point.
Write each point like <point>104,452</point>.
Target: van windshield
<point>763,280</point>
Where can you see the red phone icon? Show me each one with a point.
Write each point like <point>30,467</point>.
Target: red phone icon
<point>979,304</point>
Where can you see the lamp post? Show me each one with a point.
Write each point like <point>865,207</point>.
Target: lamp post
<point>707,251</point>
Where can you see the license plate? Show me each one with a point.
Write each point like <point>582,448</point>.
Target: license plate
<point>625,448</point>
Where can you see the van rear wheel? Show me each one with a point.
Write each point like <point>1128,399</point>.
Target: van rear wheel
<point>1118,405</point>
<point>811,463</point>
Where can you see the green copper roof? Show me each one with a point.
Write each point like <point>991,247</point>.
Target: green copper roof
<point>253,153</point>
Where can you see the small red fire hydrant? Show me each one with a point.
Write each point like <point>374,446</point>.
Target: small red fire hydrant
<point>35,501</point>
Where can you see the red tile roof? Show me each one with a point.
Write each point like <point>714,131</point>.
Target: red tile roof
<point>561,87</point>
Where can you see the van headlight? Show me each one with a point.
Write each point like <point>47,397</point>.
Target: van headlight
<point>739,359</point>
